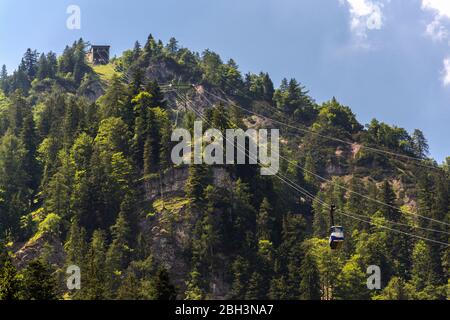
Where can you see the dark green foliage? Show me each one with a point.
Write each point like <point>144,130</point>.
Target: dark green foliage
<point>164,289</point>
<point>241,276</point>
<point>80,168</point>
<point>13,184</point>
<point>39,282</point>
<point>130,288</point>
<point>96,279</point>
<point>10,285</point>
<point>4,81</point>
<point>309,285</point>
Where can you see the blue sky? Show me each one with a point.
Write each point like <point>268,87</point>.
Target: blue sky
<point>386,59</point>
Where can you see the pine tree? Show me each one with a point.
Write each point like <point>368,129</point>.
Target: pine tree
<point>172,46</point>
<point>20,80</point>
<point>118,255</point>
<point>30,63</point>
<point>422,266</point>
<point>43,67</point>
<point>13,183</point>
<point>4,81</point>
<point>18,110</point>
<point>241,276</point>
<point>130,288</point>
<point>264,221</point>
<point>278,289</point>
<point>75,246</point>
<point>52,65</point>
<point>310,279</point>
<point>58,190</point>
<point>244,219</point>
<point>352,282</point>
<point>255,290</point>
<point>208,235</point>
<point>39,282</point>
<point>420,144</point>
<point>150,45</point>
<point>164,289</point>
<point>387,196</point>
<point>116,103</point>
<point>96,279</point>
<point>10,285</point>
<point>399,245</point>
<point>197,182</point>
<point>194,291</point>
<point>29,139</point>
<point>397,289</point>
<point>136,51</point>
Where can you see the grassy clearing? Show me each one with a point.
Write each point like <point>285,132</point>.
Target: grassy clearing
<point>105,72</point>
<point>173,205</point>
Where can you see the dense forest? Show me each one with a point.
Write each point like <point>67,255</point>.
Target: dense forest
<point>86,179</point>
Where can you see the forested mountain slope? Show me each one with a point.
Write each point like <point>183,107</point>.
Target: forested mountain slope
<point>86,179</point>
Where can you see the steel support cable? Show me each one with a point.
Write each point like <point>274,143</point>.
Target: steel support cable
<point>312,197</point>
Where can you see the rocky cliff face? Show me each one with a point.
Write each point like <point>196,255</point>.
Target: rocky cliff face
<point>170,226</point>
<point>172,183</point>
<point>48,244</point>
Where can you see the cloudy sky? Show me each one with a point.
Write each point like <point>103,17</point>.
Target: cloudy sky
<point>386,59</point>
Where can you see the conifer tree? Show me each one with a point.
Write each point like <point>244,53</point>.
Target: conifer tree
<point>130,288</point>
<point>164,289</point>
<point>310,279</point>
<point>255,289</point>
<point>119,252</point>
<point>194,291</point>
<point>10,285</point>
<point>241,276</point>
<point>264,221</point>
<point>13,183</point>
<point>136,51</point>
<point>29,139</point>
<point>39,282</point>
<point>76,246</point>
<point>96,283</point>
<point>4,81</point>
<point>422,266</point>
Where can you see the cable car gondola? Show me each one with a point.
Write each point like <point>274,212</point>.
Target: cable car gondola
<point>337,236</point>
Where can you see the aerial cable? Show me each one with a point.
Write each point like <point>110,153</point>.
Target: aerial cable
<point>357,193</point>
<point>228,101</point>
<point>313,132</point>
<point>303,191</point>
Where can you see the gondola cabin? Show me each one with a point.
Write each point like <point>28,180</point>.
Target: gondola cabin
<point>337,237</point>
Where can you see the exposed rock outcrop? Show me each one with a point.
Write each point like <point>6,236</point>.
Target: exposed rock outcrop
<point>171,225</point>
<point>33,249</point>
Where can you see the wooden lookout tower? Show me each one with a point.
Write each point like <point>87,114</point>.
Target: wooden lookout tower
<point>98,55</point>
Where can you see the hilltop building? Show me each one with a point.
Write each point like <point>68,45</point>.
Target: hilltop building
<point>98,55</point>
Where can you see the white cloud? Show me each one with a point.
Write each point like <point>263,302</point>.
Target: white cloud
<point>439,30</point>
<point>436,30</point>
<point>446,72</point>
<point>365,15</point>
<point>441,10</point>
<point>441,7</point>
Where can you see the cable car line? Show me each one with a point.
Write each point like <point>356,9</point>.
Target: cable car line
<point>419,161</point>
<point>303,191</point>
<point>361,195</point>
